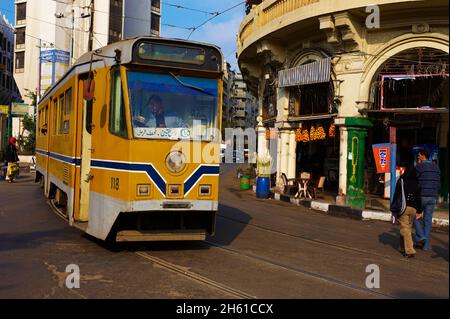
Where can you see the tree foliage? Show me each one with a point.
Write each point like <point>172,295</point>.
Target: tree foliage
<point>27,137</point>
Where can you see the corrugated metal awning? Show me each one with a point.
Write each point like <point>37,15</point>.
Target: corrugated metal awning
<point>311,73</point>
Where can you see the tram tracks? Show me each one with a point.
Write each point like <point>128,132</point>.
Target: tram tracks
<point>306,238</point>
<point>298,270</point>
<point>184,271</point>
<point>196,277</point>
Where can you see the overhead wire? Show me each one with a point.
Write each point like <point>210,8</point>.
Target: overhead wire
<point>215,16</point>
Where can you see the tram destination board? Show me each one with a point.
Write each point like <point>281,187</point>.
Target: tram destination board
<point>180,54</point>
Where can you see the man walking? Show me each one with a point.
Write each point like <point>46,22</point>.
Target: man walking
<point>429,178</point>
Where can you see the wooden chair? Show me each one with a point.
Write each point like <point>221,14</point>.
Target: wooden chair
<point>289,185</point>
<point>319,187</point>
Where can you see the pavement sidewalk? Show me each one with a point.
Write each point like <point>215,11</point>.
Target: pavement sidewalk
<point>376,209</point>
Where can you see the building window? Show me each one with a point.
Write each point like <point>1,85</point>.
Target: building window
<point>156,5</point>
<point>311,99</point>
<point>115,21</point>
<point>21,10</point>
<point>155,23</point>
<point>20,38</point>
<point>20,61</point>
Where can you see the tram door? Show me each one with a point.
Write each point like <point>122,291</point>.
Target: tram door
<point>86,151</point>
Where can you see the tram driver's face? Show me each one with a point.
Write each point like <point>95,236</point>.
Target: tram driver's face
<point>155,106</point>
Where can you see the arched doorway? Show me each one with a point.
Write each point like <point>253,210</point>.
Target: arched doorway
<point>409,103</point>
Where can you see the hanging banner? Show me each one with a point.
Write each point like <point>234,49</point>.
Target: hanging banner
<point>382,154</point>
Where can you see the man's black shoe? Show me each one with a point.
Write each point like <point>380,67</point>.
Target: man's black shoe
<point>420,244</point>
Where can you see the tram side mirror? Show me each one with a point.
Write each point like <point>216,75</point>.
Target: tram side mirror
<point>88,89</point>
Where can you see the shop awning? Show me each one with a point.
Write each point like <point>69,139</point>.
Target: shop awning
<point>311,73</point>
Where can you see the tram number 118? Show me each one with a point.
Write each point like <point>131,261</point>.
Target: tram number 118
<point>115,183</point>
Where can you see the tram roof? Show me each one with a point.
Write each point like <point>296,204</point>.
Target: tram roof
<point>126,48</point>
<point>107,55</point>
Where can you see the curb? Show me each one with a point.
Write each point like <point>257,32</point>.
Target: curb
<point>348,212</point>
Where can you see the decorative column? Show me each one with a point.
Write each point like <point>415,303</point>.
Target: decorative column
<point>292,157</point>
<point>356,145</point>
<point>343,135</point>
<point>284,158</point>
<point>261,132</point>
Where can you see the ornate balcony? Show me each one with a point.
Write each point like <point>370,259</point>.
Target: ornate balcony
<point>274,15</point>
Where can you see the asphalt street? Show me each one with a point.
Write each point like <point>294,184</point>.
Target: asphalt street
<point>261,249</point>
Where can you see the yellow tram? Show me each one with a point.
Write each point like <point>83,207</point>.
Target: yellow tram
<point>128,140</point>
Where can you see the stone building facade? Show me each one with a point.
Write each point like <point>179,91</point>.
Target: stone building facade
<point>335,77</point>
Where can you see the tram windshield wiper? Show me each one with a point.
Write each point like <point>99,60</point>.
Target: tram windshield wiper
<point>189,85</point>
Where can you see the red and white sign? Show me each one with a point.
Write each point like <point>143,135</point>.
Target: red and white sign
<point>382,155</point>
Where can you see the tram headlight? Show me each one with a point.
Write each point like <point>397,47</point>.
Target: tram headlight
<point>204,190</point>
<point>176,162</point>
<point>143,190</point>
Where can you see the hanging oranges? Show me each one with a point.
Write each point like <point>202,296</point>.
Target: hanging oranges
<point>312,134</point>
<point>332,131</point>
<point>305,136</point>
<point>320,133</point>
<point>298,135</point>
<point>268,135</point>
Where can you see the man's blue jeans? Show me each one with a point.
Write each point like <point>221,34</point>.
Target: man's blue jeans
<point>423,225</point>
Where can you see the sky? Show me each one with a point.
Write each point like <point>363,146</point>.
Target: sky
<point>221,31</point>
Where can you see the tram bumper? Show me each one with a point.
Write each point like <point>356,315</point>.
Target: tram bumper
<point>173,221</point>
<point>160,235</point>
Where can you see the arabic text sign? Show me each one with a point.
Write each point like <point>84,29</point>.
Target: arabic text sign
<point>162,133</point>
<point>382,154</point>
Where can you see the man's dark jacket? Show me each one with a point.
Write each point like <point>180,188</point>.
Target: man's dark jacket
<point>429,177</point>
<point>411,192</point>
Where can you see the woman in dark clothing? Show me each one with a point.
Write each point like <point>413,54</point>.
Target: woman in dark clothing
<point>12,158</point>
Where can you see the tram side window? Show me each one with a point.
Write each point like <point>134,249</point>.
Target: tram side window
<point>55,115</point>
<point>66,110</point>
<point>40,121</point>
<point>61,114</point>
<point>89,116</point>
<point>46,119</point>
<point>117,120</point>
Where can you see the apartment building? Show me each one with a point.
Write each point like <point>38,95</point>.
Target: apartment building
<point>51,35</point>
<point>8,88</point>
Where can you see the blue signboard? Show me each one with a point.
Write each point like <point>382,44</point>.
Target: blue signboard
<point>55,56</point>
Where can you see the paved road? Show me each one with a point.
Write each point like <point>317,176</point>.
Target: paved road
<point>262,249</point>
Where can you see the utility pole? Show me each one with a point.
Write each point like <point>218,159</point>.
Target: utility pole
<point>91,27</point>
<point>38,95</point>
<point>72,39</point>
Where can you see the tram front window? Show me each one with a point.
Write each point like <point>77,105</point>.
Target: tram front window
<point>166,106</point>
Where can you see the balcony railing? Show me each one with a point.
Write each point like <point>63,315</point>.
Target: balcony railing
<point>268,11</point>
<point>281,7</point>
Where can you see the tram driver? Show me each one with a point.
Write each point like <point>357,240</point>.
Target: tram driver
<point>153,115</point>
